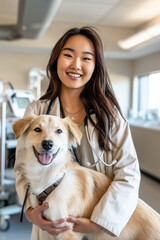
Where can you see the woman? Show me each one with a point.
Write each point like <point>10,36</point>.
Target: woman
<point>80,88</point>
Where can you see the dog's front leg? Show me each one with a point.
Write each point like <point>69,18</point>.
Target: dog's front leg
<point>70,235</point>
<point>34,200</point>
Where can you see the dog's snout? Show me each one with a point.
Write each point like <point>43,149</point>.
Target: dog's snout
<point>47,144</point>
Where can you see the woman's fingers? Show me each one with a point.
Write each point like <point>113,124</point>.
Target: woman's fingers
<point>74,219</point>
<point>49,224</point>
<point>84,225</point>
<point>42,207</point>
<point>35,215</point>
<point>55,231</point>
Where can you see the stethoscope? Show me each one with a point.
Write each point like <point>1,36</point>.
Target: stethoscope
<point>88,164</point>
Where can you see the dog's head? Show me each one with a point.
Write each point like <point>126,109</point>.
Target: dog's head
<point>48,135</point>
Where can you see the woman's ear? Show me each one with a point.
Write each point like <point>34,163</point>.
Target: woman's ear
<point>21,125</point>
<point>75,134</point>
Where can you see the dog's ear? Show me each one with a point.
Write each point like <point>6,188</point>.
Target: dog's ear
<point>75,134</point>
<point>21,125</point>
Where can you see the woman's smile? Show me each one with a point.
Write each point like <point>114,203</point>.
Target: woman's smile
<point>74,76</point>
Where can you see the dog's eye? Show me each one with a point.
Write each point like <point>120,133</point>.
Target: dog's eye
<point>59,131</point>
<point>38,129</point>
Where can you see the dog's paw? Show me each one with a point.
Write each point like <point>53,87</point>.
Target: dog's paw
<point>65,224</point>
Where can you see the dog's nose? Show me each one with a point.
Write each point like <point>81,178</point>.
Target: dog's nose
<point>47,144</point>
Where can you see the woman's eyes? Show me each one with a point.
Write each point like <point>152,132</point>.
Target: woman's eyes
<point>84,58</point>
<point>68,55</point>
<point>87,59</point>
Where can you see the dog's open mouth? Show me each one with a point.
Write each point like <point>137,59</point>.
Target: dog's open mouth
<point>45,158</point>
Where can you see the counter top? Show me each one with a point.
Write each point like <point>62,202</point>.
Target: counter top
<point>153,125</point>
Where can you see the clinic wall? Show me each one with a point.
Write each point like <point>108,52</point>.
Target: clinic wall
<point>14,68</point>
<point>121,74</point>
<point>147,64</point>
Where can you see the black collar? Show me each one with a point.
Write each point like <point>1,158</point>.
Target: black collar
<point>43,195</point>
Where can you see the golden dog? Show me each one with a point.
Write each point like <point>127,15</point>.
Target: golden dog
<point>76,189</point>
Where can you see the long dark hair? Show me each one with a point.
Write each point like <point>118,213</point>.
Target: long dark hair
<point>97,96</point>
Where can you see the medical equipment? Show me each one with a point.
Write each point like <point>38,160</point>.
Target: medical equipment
<point>6,183</point>
<point>36,75</point>
<point>11,108</point>
<point>17,101</point>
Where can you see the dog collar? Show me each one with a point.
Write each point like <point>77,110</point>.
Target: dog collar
<point>43,195</point>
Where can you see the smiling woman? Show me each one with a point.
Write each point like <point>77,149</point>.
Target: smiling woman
<point>80,88</point>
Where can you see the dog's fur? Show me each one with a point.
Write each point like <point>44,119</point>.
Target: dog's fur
<point>81,188</point>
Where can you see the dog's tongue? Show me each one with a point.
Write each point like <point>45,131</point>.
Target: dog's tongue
<point>45,158</point>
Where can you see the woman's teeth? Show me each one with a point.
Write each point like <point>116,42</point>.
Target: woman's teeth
<point>74,75</point>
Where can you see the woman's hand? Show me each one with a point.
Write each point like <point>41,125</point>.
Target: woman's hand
<point>35,216</point>
<point>84,225</point>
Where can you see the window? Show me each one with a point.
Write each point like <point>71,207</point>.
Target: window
<point>154,91</point>
<point>146,96</point>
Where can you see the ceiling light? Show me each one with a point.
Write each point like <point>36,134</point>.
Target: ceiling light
<point>140,37</point>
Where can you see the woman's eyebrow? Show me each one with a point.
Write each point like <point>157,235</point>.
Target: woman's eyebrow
<point>72,50</point>
<point>88,53</point>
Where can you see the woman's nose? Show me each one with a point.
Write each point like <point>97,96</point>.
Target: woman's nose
<point>76,64</point>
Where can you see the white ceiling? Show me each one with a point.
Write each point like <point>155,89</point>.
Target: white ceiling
<point>127,14</point>
<point>117,13</point>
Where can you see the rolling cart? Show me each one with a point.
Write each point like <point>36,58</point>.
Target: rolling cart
<point>7,179</point>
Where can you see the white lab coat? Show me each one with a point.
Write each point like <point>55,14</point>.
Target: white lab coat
<point>116,206</point>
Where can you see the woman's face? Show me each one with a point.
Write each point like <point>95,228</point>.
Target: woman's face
<point>76,62</point>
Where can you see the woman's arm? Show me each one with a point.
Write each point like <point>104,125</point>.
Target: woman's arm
<point>119,202</point>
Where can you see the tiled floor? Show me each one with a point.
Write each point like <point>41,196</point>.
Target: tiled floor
<point>17,230</point>
<point>149,192</point>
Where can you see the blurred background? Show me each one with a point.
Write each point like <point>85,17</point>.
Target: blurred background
<point>130,31</point>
